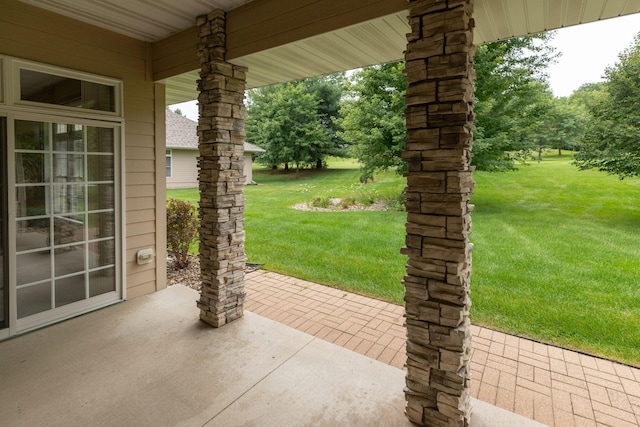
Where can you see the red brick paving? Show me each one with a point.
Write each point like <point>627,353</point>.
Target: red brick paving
<point>554,386</point>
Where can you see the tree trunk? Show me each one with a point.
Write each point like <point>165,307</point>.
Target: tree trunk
<point>319,164</point>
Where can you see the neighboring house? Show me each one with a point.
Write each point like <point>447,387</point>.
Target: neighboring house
<point>182,153</point>
<point>84,87</point>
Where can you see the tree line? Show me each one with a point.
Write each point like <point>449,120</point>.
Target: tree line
<point>301,123</point>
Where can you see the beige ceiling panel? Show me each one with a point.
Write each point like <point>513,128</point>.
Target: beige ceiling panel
<point>574,10</point>
<point>144,20</point>
<point>631,7</point>
<point>613,7</point>
<point>617,7</point>
<point>555,13</point>
<point>499,19</point>
<point>592,10</point>
<point>536,15</point>
<point>484,29</point>
<point>516,13</point>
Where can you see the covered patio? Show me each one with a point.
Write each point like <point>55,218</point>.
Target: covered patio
<point>304,354</point>
<point>149,361</point>
<point>127,365</point>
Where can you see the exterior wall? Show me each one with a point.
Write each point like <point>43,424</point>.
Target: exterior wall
<point>248,173</point>
<point>184,169</point>
<point>35,34</point>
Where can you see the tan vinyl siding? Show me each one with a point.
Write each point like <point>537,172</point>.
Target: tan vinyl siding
<point>184,169</point>
<point>248,173</point>
<point>38,35</point>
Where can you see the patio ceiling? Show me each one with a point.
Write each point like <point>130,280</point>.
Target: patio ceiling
<point>354,38</point>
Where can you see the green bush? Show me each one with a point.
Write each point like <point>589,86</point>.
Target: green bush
<point>347,202</point>
<point>182,229</point>
<point>367,195</point>
<point>397,203</point>
<point>321,202</point>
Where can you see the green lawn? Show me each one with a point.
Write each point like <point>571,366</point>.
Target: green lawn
<point>556,254</point>
<point>557,257</point>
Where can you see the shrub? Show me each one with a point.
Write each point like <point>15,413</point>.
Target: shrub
<point>367,195</point>
<point>182,229</point>
<point>321,202</point>
<point>347,202</point>
<point>397,203</point>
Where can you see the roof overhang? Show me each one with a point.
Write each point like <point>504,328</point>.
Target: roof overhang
<point>281,40</point>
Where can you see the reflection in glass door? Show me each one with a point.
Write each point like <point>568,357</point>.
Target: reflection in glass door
<point>65,228</point>
<point>4,271</point>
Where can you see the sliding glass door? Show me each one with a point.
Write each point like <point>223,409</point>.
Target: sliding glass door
<point>4,270</point>
<point>65,229</point>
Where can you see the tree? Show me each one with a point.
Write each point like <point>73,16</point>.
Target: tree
<point>511,94</point>
<point>373,119</point>
<point>328,90</point>
<point>296,122</point>
<point>553,122</point>
<point>612,142</point>
<point>284,120</point>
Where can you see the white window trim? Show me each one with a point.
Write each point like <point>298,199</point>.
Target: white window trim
<point>12,67</point>
<point>168,155</point>
<point>2,82</point>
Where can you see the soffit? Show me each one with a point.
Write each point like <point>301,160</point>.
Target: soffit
<point>147,20</point>
<point>372,42</point>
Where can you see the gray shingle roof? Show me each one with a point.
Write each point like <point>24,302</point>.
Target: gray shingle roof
<point>182,133</point>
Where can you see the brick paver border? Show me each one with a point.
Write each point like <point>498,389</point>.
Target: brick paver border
<point>551,385</point>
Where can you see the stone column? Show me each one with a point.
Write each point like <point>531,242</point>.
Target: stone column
<point>439,114</point>
<point>221,180</point>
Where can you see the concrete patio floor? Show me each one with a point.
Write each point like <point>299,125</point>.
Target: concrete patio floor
<point>151,362</point>
<point>554,386</point>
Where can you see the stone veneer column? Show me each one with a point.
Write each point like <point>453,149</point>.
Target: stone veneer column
<point>221,180</point>
<point>439,114</point>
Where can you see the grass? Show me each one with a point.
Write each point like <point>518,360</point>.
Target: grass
<point>354,250</point>
<point>555,258</point>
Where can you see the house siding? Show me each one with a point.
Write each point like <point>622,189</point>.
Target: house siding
<point>35,34</point>
<point>248,172</point>
<point>184,169</point>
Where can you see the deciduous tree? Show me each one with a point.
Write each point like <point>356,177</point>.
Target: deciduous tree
<point>510,97</point>
<point>295,122</point>
<point>612,139</point>
<point>373,119</point>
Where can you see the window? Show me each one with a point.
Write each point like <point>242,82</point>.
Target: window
<point>168,163</point>
<point>65,202</point>
<point>45,86</point>
<point>61,237</point>
<point>58,90</point>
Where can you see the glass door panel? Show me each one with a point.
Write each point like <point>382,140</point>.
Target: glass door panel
<point>65,228</point>
<point>4,271</point>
